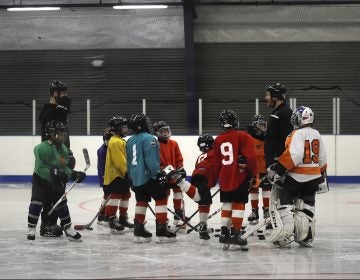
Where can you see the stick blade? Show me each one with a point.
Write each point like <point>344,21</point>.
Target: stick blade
<point>86,157</point>
<point>79,227</point>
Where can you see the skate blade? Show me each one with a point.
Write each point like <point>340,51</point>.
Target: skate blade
<point>139,239</point>
<point>204,242</point>
<point>235,247</point>
<point>165,239</point>
<point>225,247</point>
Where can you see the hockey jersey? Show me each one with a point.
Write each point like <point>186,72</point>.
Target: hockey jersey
<point>115,164</point>
<point>143,155</point>
<point>260,155</point>
<point>228,146</point>
<point>205,167</point>
<point>170,154</point>
<point>305,155</point>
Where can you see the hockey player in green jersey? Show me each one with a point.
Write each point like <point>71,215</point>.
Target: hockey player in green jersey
<point>49,179</point>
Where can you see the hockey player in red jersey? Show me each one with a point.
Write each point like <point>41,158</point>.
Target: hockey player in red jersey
<point>230,146</point>
<point>202,180</point>
<point>170,154</point>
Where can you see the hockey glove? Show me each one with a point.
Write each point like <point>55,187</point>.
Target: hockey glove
<point>78,176</point>
<point>254,183</point>
<point>64,103</point>
<point>182,172</point>
<point>161,179</point>
<point>58,176</point>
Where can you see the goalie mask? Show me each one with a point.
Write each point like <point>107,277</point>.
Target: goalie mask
<point>205,142</point>
<point>162,131</point>
<point>118,125</point>
<point>302,116</point>
<point>228,119</point>
<point>55,131</point>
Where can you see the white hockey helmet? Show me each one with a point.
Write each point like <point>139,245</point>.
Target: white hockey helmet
<point>302,116</point>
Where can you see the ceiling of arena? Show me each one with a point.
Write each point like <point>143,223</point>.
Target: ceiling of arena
<point>4,3</point>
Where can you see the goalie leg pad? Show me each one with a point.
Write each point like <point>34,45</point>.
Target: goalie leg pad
<point>283,228</point>
<point>304,221</point>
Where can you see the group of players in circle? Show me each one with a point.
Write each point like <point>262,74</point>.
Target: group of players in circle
<point>139,157</point>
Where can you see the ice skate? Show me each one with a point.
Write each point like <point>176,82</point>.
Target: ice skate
<point>115,226</point>
<point>203,233</point>
<point>31,232</point>
<point>123,220</point>
<point>50,230</point>
<point>141,235</point>
<point>163,234</point>
<point>224,237</point>
<point>71,234</point>
<point>237,242</point>
<point>254,216</point>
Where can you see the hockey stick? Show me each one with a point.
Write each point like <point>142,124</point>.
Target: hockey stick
<point>152,211</point>
<point>187,219</point>
<point>180,218</point>
<point>87,161</point>
<point>88,225</point>
<point>255,228</point>
<point>210,216</point>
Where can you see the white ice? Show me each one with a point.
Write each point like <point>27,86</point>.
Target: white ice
<point>101,255</point>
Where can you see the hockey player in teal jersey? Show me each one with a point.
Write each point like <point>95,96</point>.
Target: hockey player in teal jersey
<point>143,165</point>
<point>49,179</point>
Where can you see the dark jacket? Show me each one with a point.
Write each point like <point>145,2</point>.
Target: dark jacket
<point>53,112</point>
<point>278,128</point>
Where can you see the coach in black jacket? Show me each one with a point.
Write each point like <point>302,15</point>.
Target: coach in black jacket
<point>279,125</point>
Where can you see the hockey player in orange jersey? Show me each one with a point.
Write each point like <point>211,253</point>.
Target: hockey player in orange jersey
<point>303,164</point>
<point>170,154</point>
<point>257,131</point>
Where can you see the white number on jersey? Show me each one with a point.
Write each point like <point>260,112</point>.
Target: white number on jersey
<point>227,151</point>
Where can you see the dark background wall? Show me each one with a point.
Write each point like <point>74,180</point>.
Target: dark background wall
<point>313,50</point>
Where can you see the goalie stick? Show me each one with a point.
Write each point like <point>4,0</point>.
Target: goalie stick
<point>88,225</point>
<point>87,162</point>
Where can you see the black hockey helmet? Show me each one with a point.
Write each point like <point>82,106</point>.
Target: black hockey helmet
<point>205,142</point>
<point>56,131</point>
<point>276,90</point>
<point>57,86</point>
<point>140,123</point>
<point>116,125</point>
<point>228,119</point>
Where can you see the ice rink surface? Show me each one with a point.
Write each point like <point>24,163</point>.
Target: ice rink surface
<point>101,255</point>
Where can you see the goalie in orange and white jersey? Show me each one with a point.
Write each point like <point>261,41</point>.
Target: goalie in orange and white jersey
<point>303,164</point>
